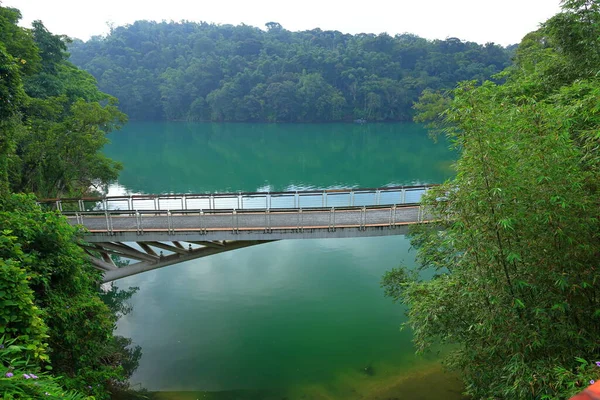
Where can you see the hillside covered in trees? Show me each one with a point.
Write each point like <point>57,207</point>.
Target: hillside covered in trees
<point>201,72</point>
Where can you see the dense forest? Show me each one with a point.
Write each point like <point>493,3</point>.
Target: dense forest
<point>516,264</point>
<point>201,72</point>
<point>56,332</point>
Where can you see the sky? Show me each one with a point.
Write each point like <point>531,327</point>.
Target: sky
<point>502,22</point>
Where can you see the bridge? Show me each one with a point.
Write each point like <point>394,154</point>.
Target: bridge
<point>155,231</point>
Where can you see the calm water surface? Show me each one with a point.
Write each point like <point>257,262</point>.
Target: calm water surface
<point>297,319</point>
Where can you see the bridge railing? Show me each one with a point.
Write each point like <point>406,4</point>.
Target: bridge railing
<point>267,220</point>
<point>396,195</point>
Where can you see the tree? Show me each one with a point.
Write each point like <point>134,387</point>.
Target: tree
<point>53,125</point>
<point>273,26</point>
<point>40,249</point>
<point>11,98</point>
<point>517,256</point>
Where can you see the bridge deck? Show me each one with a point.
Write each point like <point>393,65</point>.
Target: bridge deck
<point>251,225</point>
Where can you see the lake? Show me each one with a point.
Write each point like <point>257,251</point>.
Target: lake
<point>294,319</point>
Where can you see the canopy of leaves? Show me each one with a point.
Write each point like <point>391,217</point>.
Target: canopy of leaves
<point>54,120</point>
<point>201,71</point>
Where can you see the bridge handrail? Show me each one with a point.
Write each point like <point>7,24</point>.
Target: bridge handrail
<point>229,194</point>
<point>296,196</point>
<point>238,211</point>
<point>233,224</point>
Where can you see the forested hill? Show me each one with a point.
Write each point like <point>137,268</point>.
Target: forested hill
<point>201,71</point>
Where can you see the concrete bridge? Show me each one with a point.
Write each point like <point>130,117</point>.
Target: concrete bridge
<point>155,231</point>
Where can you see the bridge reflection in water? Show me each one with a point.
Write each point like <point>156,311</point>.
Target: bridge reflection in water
<point>190,226</point>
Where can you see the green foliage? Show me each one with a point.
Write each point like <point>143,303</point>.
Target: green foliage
<point>20,319</point>
<point>18,42</point>
<point>53,123</point>
<point>430,109</point>
<point>54,163</point>
<point>518,256</point>
<point>11,98</point>
<point>79,332</point>
<point>200,71</point>
<point>79,324</point>
<point>22,379</point>
<point>11,88</point>
<point>53,118</point>
<point>52,48</point>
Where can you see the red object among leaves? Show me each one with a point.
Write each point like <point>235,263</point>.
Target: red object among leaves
<point>592,392</point>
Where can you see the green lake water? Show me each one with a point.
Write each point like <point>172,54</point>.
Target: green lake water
<point>294,319</point>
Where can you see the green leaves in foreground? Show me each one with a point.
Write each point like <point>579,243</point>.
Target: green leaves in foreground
<point>519,252</point>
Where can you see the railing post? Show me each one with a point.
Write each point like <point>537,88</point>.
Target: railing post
<point>296,205</point>
<point>240,201</point>
<point>300,221</point>
<point>324,200</point>
<point>81,207</point>
<point>138,222</point>
<point>352,198</point>
<point>394,216</point>
<point>109,227</point>
<point>200,215</point>
<point>211,202</point>
<point>363,219</point>
<point>183,202</point>
<point>332,219</point>
<point>403,196</point>
<point>377,197</point>
<point>267,221</point>
<point>234,222</point>
<point>169,222</point>
<point>129,204</point>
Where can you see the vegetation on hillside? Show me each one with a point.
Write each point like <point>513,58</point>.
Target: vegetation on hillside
<point>201,72</point>
<point>517,262</point>
<point>53,118</point>
<point>56,333</point>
